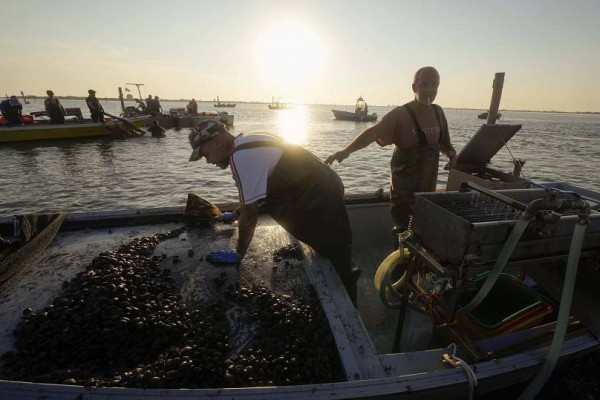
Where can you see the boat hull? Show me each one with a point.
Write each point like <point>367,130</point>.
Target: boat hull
<point>350,116</point>
<point>412,375</point>
<point>188,121</point>
<point>484,115</point>
<point>280,106</point>
<point>70,130</point>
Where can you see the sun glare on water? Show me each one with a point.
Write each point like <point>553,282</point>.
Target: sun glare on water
<point>293,125</point>
<point>289,54</point>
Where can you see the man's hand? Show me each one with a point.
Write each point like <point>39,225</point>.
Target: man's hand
<point>337,156</point>
<point>452,160</point>
<point>228,217</point>
<point>224,257</point>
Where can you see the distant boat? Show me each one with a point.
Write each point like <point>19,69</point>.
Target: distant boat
<point>77,129</point>
<point>484,115</point>
<point>350,116</point>
<point>278,105</point>
<point>219,104</point>
<point>178,117</point>
<point>360,114</point>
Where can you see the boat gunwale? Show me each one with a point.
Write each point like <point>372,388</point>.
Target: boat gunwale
<point>515,368</point>
<point>141,216</point>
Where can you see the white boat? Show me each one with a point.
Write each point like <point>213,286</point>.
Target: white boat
<point>360,114</point>
<point>375,358</point>
<point>353,116</point>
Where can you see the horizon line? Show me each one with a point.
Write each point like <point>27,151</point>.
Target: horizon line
<point>70,97</point>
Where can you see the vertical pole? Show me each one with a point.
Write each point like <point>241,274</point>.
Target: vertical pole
<point>24,98</point>
<point>496,94</point>
<point>121,98</point>
<point>396,348</point>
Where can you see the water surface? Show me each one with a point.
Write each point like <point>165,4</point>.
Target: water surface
<point>102,174</point>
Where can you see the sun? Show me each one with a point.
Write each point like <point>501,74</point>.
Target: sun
<point>289,52</point>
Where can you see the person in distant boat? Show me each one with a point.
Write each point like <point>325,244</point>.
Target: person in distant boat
<point>157,104</point>
<point>141,106</point>
<point>11,110</point>
<point>152,106</point>
<point>359,106</point>
<point>192,107</point>
<point>54,108</point>
<point>419,132</point>
<point>149,104</point>
<point>156,130</point>
<point>96,110</point>
<point>300,192</point>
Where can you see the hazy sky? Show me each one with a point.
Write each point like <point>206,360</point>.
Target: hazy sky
<point>307,51</point>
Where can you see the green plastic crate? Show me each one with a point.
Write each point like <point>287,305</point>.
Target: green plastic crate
<point>508,299</point>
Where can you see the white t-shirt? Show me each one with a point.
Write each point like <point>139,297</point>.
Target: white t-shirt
<point>251,168</point>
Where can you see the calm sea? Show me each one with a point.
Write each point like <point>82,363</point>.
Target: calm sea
<point>100,174</point>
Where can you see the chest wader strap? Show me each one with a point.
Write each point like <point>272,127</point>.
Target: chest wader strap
<point>259,143</point>
<point>420,133</point>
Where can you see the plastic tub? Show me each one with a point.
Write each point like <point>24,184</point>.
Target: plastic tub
<point>508,300</point>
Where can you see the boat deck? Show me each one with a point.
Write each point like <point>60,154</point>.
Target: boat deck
<point>363,338</point>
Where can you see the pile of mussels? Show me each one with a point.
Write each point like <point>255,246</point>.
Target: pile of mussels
<point>121,323</point>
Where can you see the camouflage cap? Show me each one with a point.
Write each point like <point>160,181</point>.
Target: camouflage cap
<point>201,134</point>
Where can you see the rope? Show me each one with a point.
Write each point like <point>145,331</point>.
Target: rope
<point>510,152</point>
<point>457,362</point>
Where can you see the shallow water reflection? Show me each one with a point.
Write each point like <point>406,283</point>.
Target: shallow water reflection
<point>293,125</point>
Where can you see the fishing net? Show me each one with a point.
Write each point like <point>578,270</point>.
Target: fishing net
<point>36,233</point>
<point>198,208</point>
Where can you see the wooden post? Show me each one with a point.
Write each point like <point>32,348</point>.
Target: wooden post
<point>496,94</point>
<point>121,98</point>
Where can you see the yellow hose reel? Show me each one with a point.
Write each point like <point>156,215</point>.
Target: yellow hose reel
<point>391,292</point>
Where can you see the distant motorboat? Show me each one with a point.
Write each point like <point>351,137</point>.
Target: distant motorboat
<point>219,104</point>
<point>360,114</point>
<point>352,116</point>
<point>277,105</point>
<point>41,129</point>
<point>484,115</point>
<point>178,117</point>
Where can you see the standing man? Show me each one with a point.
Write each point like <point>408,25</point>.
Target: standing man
<point>157,105</point>
<point>192,107</point>
<point>300,192</point>
<point>150,105</point>
<point>419,131</point>
<point>11,110</point>
<point>95,107</point>
<point>54,109</point>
